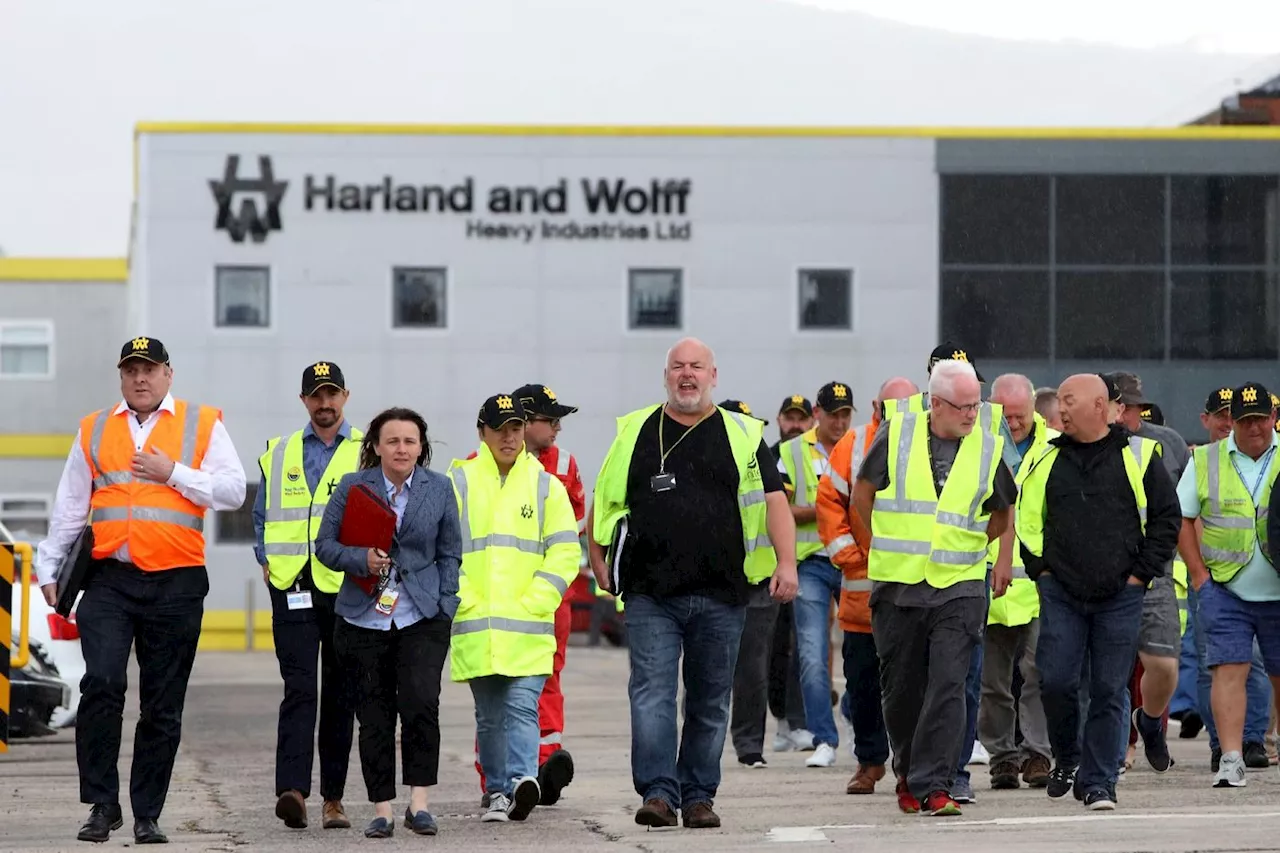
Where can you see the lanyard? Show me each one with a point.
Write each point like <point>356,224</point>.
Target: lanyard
<point>664,452</point>
<point>1263,467</point>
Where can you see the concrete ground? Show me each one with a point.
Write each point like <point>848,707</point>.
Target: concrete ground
<point>222,798</point>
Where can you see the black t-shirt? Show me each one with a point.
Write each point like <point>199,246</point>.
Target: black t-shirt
<point>688,540</point>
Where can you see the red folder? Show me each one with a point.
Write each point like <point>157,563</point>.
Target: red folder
<point>367,522</point>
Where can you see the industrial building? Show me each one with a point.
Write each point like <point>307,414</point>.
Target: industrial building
<point>439,265</point>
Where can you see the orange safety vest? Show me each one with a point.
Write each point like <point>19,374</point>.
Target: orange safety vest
<point>163,529</point>
<point>841,530</point>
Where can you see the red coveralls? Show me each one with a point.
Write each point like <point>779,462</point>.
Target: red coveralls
<point>564,467</point>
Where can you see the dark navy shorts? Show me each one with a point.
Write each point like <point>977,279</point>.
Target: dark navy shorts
<point>1230,625</point>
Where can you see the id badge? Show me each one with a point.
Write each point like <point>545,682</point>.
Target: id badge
<point>660,483</point>
<point>299,600</point>
<point>387,601</point>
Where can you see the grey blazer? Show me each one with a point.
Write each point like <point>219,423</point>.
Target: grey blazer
<point>428,548</point>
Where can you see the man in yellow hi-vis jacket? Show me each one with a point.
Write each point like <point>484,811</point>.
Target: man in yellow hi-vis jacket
<point>520,552</point>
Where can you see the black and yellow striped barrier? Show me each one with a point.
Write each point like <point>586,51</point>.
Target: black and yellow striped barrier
<point>9,555</point>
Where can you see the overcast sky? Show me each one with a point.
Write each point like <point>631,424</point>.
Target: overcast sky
<point>75,75</point>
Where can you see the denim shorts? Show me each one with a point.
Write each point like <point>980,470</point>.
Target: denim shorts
<point>1230,625</point>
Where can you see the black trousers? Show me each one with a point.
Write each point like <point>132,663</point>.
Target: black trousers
<point>785,699</point>
<point>160,614</point>
<point>396,671</point>
<point>301,638</point>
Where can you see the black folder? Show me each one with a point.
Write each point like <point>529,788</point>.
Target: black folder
<point>74,574</point>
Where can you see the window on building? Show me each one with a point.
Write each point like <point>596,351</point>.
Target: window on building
<point>997,314</point>
<point>1110,315</point>
<point>1225,315</point>
<point>419,297</point>
<point>26,349</point>
<point>995,219</point>
<point>654,298</point>
<point>826,299</point>
<point>243,296</point>
<point>26,517</point>
<point>1225,219</point>
<point>235,527</point>
<point>1110,219</point>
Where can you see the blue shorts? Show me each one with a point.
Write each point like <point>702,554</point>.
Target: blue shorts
<point>1230,625</point>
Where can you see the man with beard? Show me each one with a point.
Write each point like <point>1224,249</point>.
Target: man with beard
<point>299,473</point>
<point>693,512</point>
<point>795,417</point>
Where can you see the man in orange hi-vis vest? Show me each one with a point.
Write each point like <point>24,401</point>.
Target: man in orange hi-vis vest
<point>847,540</point>
<point>141,473</point>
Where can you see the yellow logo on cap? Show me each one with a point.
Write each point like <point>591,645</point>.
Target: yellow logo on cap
<point>960,355</point>
<point>1224,395</point>
<point>141,344</point>
<point>1249,395</point>
<point>744,408</point>
<point>1275,401</point>
<point>839,391</point>
<point>1146,413</point>
<point>321,369</point>
<point>551,395</point>
<point>505,403</point>
<point>797,400</point>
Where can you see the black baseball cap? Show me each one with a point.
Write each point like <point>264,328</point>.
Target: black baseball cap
<point>948,351</point>
<point>797,403</point>
<point>739,406</point>
<point>1218,399</point>
<point>1251,400</point>
<point>1113,389</point>
<point>147,349</point>
<point>500,410</point>
<point>540,400</point>
<point>320,374</point>
<point>835,397</point>
<point>1152,414</point>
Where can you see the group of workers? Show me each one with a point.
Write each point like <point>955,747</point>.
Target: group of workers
<point>1003,570</point>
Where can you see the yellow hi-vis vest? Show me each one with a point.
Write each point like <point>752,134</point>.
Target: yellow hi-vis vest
<point>804,465</point>
<point>918,535</point>
<point>1031,510</point>
<point>1021,601</point>
<point>610,500</point>
<point>1233,526</point>
<point>1180,590</point>
<point>988,418</point>
<point>293,513</point>
<point>519,555</point>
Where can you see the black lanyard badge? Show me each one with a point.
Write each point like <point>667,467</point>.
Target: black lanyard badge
<point>660,483</point>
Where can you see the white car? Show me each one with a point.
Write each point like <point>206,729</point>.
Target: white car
<point>52,636</point>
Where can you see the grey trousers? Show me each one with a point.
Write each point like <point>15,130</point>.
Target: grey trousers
<point>751,674</point>
<point>924,662</point>
<point>998,719</point>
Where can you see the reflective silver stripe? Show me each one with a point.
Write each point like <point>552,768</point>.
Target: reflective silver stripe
<point>1020,572</point>
<point>737,419</point>
<point>544,489</point>
<point>555,580</point>
<point>808,535</point>
<point>908,507</point>
<point>1135,450</point>
<point>285,549</point>
<point>1211,474</point>
<point>747,499</point>
<point>277,472</point>
<point>552,738</point>
<point>957,558</point>
<point>859,451</point>
<point>114,478</point>
<point>1233,522</point>
<point>459,476</point>
<point>564,537</point>
<point>984,469</point>
<point>562,462</point>
<point>840,483</point>
<point>1237,557</point>
<point>297,513</point>
<point>860,585</point>
<point>497,623</point>
<point>190,430</point>
<point>955,519</point>
<point>900,546</point>
<point>502,540</point>
<point>900,464</point>
<point>95,437</point>
<point>840,543</point>
<point>146,513</point>
<point>761,541</point>
<point>797,464</point>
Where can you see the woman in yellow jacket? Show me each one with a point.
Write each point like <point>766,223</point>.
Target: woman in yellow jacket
<point>520,552</point>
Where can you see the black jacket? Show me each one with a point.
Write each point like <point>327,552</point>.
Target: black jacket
<point>1093,540</point>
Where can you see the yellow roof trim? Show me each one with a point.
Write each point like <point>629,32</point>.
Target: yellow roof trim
<point>64,269</point>
<point>35,446</point>
<point>355,129</point>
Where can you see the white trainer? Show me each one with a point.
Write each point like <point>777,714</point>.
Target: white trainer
<point>498,805</point>
<point>823,756</point>
<point>802,739</point>
<point>980,754</point>
<point>782,739</point>
<point>1230,771</point>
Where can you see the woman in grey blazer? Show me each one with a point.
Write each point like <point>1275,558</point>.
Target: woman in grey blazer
<point>394,643</point>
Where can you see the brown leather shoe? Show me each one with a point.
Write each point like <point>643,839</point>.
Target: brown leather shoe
<point>292,809</point>
<point>864,781</point>
<point>1035,771</point>
<point>655,813</point>
<point>700,816</point>
<point>334,815</point>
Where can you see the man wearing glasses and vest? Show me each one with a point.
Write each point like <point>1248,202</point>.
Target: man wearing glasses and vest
<point>299,473</point>
<point>142,474</point>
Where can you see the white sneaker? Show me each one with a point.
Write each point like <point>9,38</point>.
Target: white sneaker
<point>823,756</point>
<point>1230,771</point>
<point>498,805</point>
<point>980,754</point>
<point>802,739</point>
<point>782,740</point>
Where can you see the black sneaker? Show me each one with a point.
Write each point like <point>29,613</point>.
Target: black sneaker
<point>1061,781</point>
<point>1154,744</point>
<point>754,760</point>
<point>1215,760</point>
<point>1192,725</point>
<point>1255,756</point>
<point>1099,800</point>
<point>554,776</point>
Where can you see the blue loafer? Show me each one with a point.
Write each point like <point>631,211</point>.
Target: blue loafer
<point>421,823</point>
<point>380,827</point>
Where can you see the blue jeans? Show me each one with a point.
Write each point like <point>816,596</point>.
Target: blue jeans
<point>1184,698</point>
<point>1257,689</point>
<point>972,694</point>
<point>507,729</point>
<point>819,586</point>
<point>658,630</point>
<point>1106,632</point>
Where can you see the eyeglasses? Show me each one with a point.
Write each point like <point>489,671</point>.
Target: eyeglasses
<point>555,422</point>
<point>969,408</point>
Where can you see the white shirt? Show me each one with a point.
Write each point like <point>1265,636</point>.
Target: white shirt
<point>218,483</point>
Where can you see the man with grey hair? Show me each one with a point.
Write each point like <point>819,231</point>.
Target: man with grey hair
<point>934,492</point>
<point>691,508</point>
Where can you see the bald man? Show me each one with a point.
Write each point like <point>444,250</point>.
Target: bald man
<point>1098,520</point>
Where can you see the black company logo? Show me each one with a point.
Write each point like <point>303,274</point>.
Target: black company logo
<point>248,219</point>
